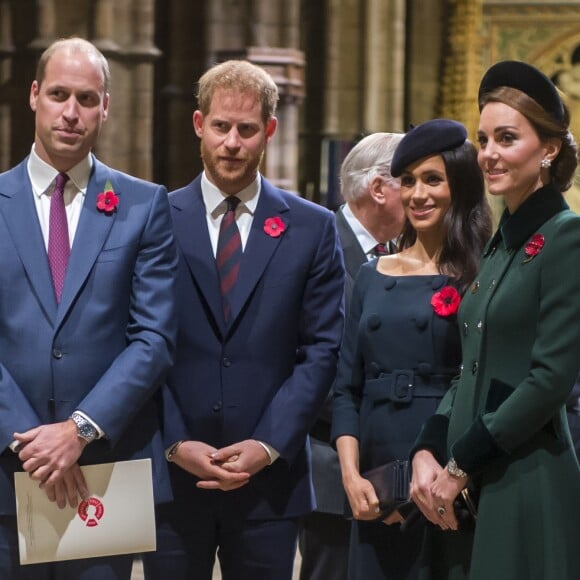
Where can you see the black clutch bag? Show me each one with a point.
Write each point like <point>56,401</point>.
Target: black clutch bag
<point>391,484</point>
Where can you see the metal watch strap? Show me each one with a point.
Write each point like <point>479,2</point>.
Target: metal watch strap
<point>85,429</point>
<point>454,469</point>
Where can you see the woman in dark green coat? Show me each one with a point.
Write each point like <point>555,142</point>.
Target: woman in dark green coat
<point>503,424</point>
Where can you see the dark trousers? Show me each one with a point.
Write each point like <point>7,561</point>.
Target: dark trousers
<point>378,551</point>
<point>323,540</point>
<point>189,538</point>
<point>107,568</point>
<point>574,422</point>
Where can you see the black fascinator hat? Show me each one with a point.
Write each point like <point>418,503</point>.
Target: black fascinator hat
<point>526,78</point>
<point>429,138</point>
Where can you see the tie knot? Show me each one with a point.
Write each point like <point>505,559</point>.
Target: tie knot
<point>60,182</point>
<point>380,250</point>
<point>232,202</point>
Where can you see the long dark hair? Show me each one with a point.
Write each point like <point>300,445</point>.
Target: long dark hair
<point>467,223</point>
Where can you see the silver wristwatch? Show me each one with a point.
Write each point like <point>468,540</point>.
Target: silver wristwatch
<point>454,469</point>
<point>85,429</point>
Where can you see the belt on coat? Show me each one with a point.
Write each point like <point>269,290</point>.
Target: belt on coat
<point>401,386</point>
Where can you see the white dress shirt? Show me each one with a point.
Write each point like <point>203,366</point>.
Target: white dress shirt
<point>365,239</point>
<point>42,176</point>
<point>216,206</point>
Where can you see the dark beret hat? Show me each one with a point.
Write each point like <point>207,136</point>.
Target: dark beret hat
<point>429,138</point>
<point>525,78</point>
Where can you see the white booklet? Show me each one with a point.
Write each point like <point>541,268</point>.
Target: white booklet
<point>118,518</point>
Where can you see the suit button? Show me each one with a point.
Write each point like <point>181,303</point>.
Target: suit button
<point>56,353</point>
<point>226,362</point>
<point>218,406</point>
<point>474,368</point>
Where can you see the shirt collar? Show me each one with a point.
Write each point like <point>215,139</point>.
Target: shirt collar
<point>514,229</point>
<point>214,198</point>
<point>42,175</point>
<point>365,239</point>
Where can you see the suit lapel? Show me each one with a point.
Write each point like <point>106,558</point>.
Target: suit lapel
<point>189,217</point>
<point>260,246</point>
<point>20,217</point>
<point>354,255</point>
<point>92,231</point>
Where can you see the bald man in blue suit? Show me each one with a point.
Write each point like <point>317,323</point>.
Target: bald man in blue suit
<point>80,358</point>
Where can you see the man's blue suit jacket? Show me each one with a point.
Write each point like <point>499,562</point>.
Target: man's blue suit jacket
<point>107,346</point>
<point>266,374</point>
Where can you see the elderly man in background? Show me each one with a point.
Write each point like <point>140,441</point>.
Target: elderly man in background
<point>368,225</point>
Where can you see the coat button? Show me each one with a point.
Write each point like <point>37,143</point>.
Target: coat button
<point>480,326</point>
<point>465,329</point>
<point>474,368</point>
<point>374,322</point>
<point>226,362</point>
<point>475,287</point>
<point>218,406</point>
<point>56,353</point>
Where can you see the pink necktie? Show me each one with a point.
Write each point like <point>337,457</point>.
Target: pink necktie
<point>58,241</point>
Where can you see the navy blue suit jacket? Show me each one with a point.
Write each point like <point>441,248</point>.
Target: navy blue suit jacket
<point>107,346</point>
<point>266,374</point>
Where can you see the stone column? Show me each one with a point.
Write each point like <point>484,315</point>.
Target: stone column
<point>47,32</point>
<point>144,53</point>
<point>344,70</point>
<point>104,21</point>
<point>384,83</point>
<point>6,54</point>
<point>127,138</point>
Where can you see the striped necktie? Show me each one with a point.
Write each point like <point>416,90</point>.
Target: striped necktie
<point>229,253</point>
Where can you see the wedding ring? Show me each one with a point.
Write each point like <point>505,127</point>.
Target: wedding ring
<point>441,511</point>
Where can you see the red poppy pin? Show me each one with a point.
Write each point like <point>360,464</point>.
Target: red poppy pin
<point>533,247</point>
<point>446,301</point>
<point>108,200</point>
<point>274,226</point>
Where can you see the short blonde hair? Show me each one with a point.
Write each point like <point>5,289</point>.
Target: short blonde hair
<point>241,76</point>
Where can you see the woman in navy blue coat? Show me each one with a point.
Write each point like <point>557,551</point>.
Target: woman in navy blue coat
<point>401,346</point>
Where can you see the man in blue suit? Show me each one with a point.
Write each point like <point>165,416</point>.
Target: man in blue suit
<point>87,310</point>
<point>256,354</point>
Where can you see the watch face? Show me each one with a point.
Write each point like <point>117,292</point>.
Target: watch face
<point>87,430</point>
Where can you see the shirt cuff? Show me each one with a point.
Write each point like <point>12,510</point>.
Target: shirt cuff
<point>100,432</point>
<point>272,453</point>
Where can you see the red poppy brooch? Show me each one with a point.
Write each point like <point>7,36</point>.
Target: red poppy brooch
<point>446,301</point>
<point>533,247</point>
<point>108,200</point>
<point>274,227</point>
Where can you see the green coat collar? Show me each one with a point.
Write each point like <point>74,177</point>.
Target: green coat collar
<point>515,229</point>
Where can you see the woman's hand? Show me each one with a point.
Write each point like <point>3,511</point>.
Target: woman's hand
<point>361,497</point>
<point>360,491</point>
<point>444,491</point>
<point>426,469</point>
